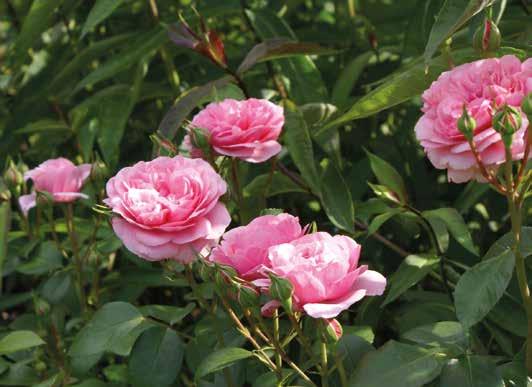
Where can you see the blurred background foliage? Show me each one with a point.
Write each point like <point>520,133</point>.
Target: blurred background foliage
<point>92,83</point>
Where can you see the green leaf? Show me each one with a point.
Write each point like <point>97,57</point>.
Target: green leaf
<point>445,334</point>
<point>114,328</point>
<point>274,184</point>
<point>439,228</point>
<point>297,138</point>
<point>45,125</point>
<point>379,220</point>
<point>36,22</point>
<point>398,365</point>
<point>277,48</point>
<point>57,287</point>
<point>471,371</point>
<point>413,269</point>
<point>19,374</point>
<point>169,314</point>
<point>48,258</point>
<point>18,341</point>
<point>456,226</point>
<point>336,199</point>
<point>221,359</point>
<point>388,176</point>
<point>305,81</point>
<point>351,348</point>
<point>506,242</point>
<point>402,86</point>
<point>99,12</point>
<point>186,102</point>
<point>453,15</point>
<point>348,78</point>
<point>5,225</point>
<point>144,47</point>
<point>480,287</point>
<point>156,358</point>
<point>63,80</point>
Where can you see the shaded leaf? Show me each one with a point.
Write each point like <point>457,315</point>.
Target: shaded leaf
<point>398,365</point>
<point>221,359</point>
<point>156,358</point>
<point>453,15</point>
<point>445,334</point>
<point>336,199</point>
<point>388,176</point>
<point>280,48</point>
<point>101,10</point>
<point>19,340</point>
<point>413,269</point>
<point>471,371</point>
<point>480,287</point>
<point>456,226</point>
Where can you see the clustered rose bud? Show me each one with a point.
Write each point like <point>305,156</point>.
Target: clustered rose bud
<point>487,38</point>
<point>506,122</point>
<point>466,124</point>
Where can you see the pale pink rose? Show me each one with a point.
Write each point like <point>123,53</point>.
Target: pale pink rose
<point>244,129</point>
<point>60,178</point>
<point>245,248</point>
<point>481,86</point>
<point>168,208</point>
<point>324,273</point>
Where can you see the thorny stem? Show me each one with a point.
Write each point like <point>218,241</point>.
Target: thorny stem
<point>515,210</point>
<point>487,175</point>
<point>77,259</point>
<point>324,361</point>
<point>278,359</point>
<point>522,167</point>
<point>189,274</point>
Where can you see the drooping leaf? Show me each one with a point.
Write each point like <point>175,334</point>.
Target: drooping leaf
<point>453,15</point>
<point>480,287</point>
<point>297,137</point>
<point>306,84</point>
<point>402,86</point>
<point>277,48</point>
<point>156,358</point>
<point>348,78</point>
<point>336,199</point>
<point>144,47</point>
<point>19,340</point>
<point>471,371</point>
<point>101,10</point>
<point>174,118</point>
<point>35,23</point>
<point>379,220</point>
<point>456,226</point>
<point>413,269</point>
<point>221,359</point>
<point>396,364</point>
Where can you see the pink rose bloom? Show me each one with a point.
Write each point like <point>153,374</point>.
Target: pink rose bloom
<point>479,85</point>
<point>244,129</point>
<point>324,273</point>
<point>246,248</point>
<point>58,177</point>
<point>168,207</point>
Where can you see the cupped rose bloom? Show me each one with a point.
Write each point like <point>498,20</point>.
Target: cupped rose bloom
<point>168,208</point>
<point>244,129</point>
<point>481,86</point>
<point>60,178</point>
<point>245,248</point>
<point>324,273</point>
